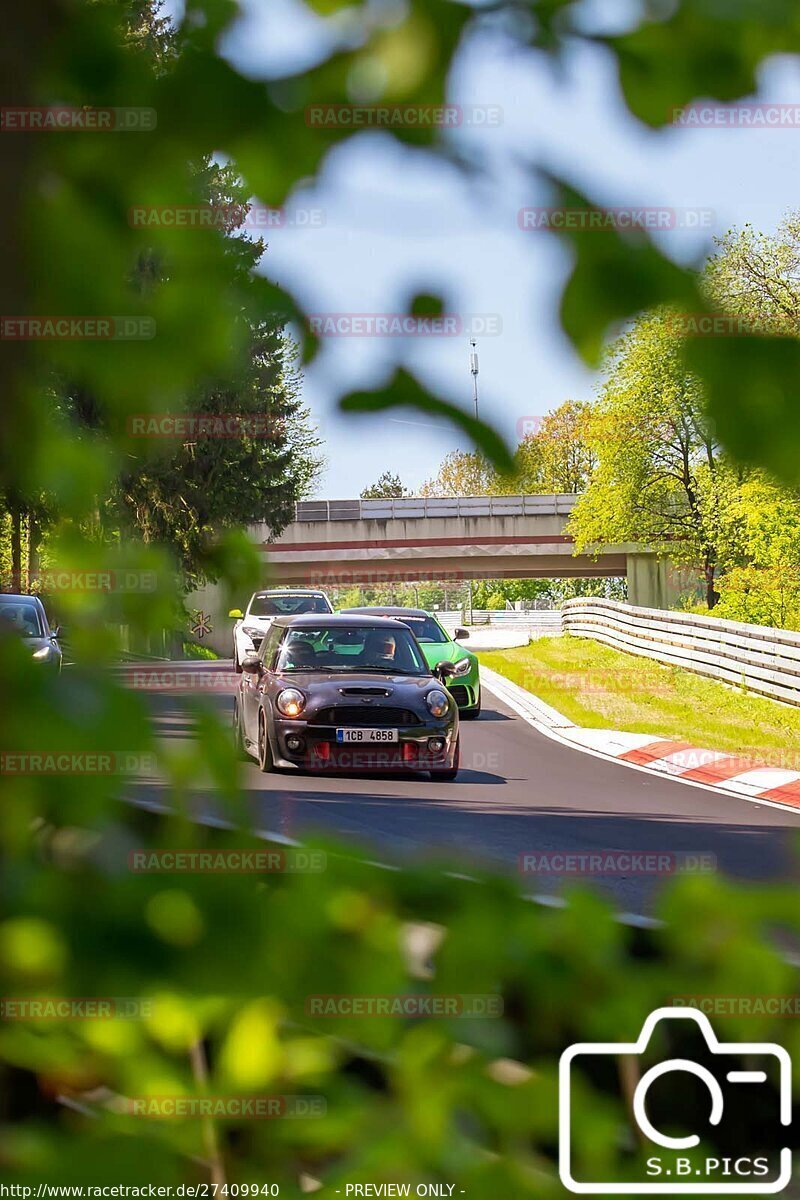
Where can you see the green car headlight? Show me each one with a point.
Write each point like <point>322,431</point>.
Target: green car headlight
<point>463,666</point>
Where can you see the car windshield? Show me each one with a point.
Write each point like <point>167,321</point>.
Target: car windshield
<point>287,605</point>
<point>425,629</point>
<point>21,618</point>
<point>352,649</point>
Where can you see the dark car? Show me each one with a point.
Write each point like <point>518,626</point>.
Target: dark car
<point>344,693</point>
<point>438,646</point>
<point>25,617</point>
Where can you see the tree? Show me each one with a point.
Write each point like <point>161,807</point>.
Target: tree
<point>765,590</point>
<point>757,276</point>
<point>183,499</point>
<point>661,479</point>
<point>556,458</point>
<point>566,460</point>
<point>462,473</point>
<point>387,487</point>
<point>183,496</point>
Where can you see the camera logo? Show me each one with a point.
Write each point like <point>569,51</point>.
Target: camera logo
<point>666,1162</point>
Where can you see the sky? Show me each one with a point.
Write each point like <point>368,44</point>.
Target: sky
<point>387,222</point>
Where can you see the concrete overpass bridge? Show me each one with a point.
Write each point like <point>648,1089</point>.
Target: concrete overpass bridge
<point>337,543</point>
<point>340,543</point>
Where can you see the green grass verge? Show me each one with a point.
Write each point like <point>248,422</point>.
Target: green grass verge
<point>601,688</point>
<point>195,650</point>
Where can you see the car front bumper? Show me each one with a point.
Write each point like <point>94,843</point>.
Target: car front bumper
<point>465,689</point>
<point>321,752</point>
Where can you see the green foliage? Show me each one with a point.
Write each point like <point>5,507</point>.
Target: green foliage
<point>751,380</point>
<point>404,390</point>
<point>228,961</point>
<point>388,486</point>
<point>556,458</point>
<point>195,650</point>
<point>662,479</point>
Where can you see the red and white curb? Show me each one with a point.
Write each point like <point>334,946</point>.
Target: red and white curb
<point>715,770</point>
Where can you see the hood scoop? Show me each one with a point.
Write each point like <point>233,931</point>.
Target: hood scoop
<point>366,691</point>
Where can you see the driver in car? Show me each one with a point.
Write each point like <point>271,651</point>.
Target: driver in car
<point>299,653</point>
<point>380,650</point>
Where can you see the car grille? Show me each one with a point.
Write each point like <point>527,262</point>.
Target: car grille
<point>460,695</point>
<point>364,714</point>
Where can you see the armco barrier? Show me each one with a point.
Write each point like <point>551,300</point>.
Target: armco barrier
<point>762,660</point>
<point>543,618</point>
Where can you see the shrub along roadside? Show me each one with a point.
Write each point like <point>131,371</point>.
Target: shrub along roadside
<point>602,688</point>
<point>468,1101</point>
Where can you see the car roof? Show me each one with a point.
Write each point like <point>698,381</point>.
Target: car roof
<point>337,621</point>
<point>13,598</point>
<point>288,591</point>
<point>396,610</point>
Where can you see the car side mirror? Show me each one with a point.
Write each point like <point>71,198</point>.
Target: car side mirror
<point>237,613</point>
<point>460,635</point>
<point>57,632</point>
<point>443,670</point>
<point>251,663</point>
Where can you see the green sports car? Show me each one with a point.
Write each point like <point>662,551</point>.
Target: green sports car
<point>438,646</point>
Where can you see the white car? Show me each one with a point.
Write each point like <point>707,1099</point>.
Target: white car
<point>249,630</point>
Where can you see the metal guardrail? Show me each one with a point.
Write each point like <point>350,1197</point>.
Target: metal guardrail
<point>419,507</point>
<point>763,660</point>
<point>549,618</point>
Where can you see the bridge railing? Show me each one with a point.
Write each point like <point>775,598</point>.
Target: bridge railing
<point>415,507</point>
<point>755,657</point>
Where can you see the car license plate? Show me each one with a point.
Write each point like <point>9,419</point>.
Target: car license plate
<point>367,735</point>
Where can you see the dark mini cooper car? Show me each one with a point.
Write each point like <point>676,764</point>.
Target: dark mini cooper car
<point>345,693</point>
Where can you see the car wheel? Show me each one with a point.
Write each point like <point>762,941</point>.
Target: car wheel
<point>448,774</point>
<point>472,714</point>
<point>265,762</point>
<point>238,732</point>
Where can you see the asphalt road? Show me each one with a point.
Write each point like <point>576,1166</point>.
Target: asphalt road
<point>518,793</point>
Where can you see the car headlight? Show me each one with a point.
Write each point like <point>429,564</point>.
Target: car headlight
<point>290,702</point>
<point>463,666</point>
<point>43,653</point>
<point>251,631</point>
<point>438,702</point>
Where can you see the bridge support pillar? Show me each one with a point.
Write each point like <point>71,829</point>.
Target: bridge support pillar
<point>653,582</point>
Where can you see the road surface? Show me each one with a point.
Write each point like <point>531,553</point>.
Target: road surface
<point>518,793</point>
